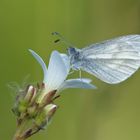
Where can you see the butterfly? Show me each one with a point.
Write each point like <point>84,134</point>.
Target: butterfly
<point>111,61</point>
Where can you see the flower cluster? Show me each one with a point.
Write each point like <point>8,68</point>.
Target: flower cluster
<point>35,105</point>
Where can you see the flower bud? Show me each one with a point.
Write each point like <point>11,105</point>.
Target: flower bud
<point>32,111</point>
<point>45,115</point>
<point>24,100</point>
<point>30,94</point>
<point>47,99</point>
<point>51,110</point>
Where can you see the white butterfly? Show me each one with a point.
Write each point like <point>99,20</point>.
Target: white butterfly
<point>112,61</point>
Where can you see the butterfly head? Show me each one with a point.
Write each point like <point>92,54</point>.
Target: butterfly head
<point>71,51</point>
<point>74,55</point>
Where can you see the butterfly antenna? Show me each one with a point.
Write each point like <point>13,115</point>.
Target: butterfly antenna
<point>61,38</point>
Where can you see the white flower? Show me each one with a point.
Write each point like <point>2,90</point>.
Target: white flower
<point>57,72</point>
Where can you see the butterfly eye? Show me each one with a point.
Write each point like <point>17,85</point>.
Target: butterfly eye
<point>71,51</point>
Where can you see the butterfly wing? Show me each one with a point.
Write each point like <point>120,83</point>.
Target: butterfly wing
<point>112,61</point>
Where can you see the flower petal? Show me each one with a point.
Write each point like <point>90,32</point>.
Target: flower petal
<point>57,72</point>
<point>40,61</point>
<point>66,60</point>
<point>77,83</point>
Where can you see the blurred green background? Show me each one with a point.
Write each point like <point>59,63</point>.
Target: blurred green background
<point>112,112</point>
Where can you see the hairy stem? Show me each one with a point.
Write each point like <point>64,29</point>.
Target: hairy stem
<point>20,130</point>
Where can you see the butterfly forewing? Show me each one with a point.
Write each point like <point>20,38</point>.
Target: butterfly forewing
<point>114,60</point>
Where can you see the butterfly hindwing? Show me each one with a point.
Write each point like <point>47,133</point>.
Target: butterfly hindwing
<point>114,60</point>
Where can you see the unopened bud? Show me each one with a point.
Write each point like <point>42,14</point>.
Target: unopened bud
<point>25,100</point>
<point>30,95</point>
<point>32,111</point>
<point>22,106</point>
<point>47,99</point>
<point>51,110</point>
<point>45,115</point>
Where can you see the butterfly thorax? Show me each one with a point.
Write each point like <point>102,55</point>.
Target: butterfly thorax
<point>75,58</point>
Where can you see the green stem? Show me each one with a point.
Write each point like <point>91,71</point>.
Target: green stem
<point>20,130</point>
<point>18,138</point>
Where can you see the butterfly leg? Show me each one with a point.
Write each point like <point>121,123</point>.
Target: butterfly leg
<point>80,75</point>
